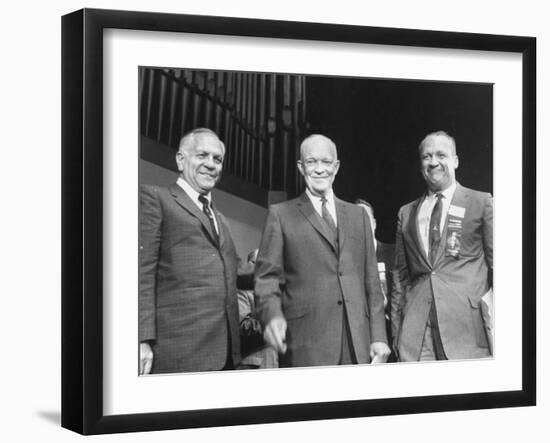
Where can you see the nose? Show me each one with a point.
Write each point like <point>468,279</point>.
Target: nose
<point>433,161</point>
<point>209,162</point>
<point>319,168</point>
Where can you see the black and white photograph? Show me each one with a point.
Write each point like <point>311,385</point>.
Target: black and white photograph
<point>292,220</point>
<point>297,218</point>
<point>275,222</point>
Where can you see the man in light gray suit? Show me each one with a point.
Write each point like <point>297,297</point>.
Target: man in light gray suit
<point>188,311</point>
<point>443,263</point>
<point>316,281</point>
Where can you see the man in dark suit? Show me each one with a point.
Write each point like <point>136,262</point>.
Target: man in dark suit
<point>443,263</point>
<point>316,282</point>
<point>188,311</point>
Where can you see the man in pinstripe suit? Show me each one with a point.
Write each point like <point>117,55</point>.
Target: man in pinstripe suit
<point>188,310</point>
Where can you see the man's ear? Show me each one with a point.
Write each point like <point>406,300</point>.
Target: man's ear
<point>179,160</point>
<point>300,167</point>
<point>336,166</point>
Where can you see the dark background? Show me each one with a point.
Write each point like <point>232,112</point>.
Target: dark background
<point>377,126</point>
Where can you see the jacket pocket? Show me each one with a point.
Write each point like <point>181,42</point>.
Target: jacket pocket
<point>478,327</point>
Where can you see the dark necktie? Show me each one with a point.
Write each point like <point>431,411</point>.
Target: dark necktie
<point>435,223</point>
<point>326,215</point>
<point>210,215</point>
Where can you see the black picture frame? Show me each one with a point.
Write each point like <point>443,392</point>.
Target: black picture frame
<point>82,220</point>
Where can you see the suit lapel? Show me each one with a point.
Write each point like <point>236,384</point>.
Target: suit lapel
<point>414,232</point>
<point>306,208</point>
<point>343,222</point>
<point>222,228</point>
<point>186,203</point>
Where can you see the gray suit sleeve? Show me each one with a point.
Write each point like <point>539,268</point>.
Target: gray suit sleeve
<point>373,289</point>
<point>400,279</point>
<point>150,228</point>
<point>488,231</point>
<point>269,277</point>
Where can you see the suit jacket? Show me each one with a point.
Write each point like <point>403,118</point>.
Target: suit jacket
<point>455,282</point>
<point>303,275</point>
<point>187,284</point>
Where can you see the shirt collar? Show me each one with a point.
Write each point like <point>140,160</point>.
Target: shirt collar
<point>314,198</point>
<point>447,193</point>
<point>194,195</point>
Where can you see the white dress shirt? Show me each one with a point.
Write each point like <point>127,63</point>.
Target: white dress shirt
<point>194,195</point>
<point>317,204</point>
<point>425,214</point>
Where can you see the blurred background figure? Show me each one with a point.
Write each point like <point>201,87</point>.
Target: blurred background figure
<point>256,354</point>
<point>383,255</point>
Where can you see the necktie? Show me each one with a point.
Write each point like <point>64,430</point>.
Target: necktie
<point>210,215</point>
<point>326,215</point>
<point>435,223</point>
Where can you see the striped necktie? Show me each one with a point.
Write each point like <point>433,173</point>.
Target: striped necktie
<point>210,215</point>
<point>326,215</point>
<point>435,224</point>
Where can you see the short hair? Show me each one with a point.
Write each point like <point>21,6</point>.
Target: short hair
<point>437,134</point>
<point>321,137</point>
<point>190,139</point>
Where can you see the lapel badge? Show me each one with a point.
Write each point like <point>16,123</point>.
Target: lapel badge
<point>454,234</point>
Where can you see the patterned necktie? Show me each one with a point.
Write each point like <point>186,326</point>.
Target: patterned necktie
<point>326,215</point>
<point>210,215</point>
<point>435,224</point>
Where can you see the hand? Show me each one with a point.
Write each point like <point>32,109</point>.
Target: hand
<point>145,358</point>
<point>379,352</point>
<point>275,333</point>
<point>250,327</point>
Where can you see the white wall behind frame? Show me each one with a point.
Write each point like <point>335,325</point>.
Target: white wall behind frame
<point>30,222</point>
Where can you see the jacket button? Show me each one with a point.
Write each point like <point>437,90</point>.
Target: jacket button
<point>339,302</point>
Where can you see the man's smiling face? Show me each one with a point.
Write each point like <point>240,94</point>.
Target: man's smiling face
<point>318,164</point>
<point>438,161</point>
<point>201,163</point>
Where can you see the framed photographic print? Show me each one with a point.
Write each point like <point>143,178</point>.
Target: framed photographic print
<point>144,347</point>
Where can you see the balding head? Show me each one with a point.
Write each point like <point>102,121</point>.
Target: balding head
<point>192,138</point>
<point>438,135</point>
<point>318,140</point>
